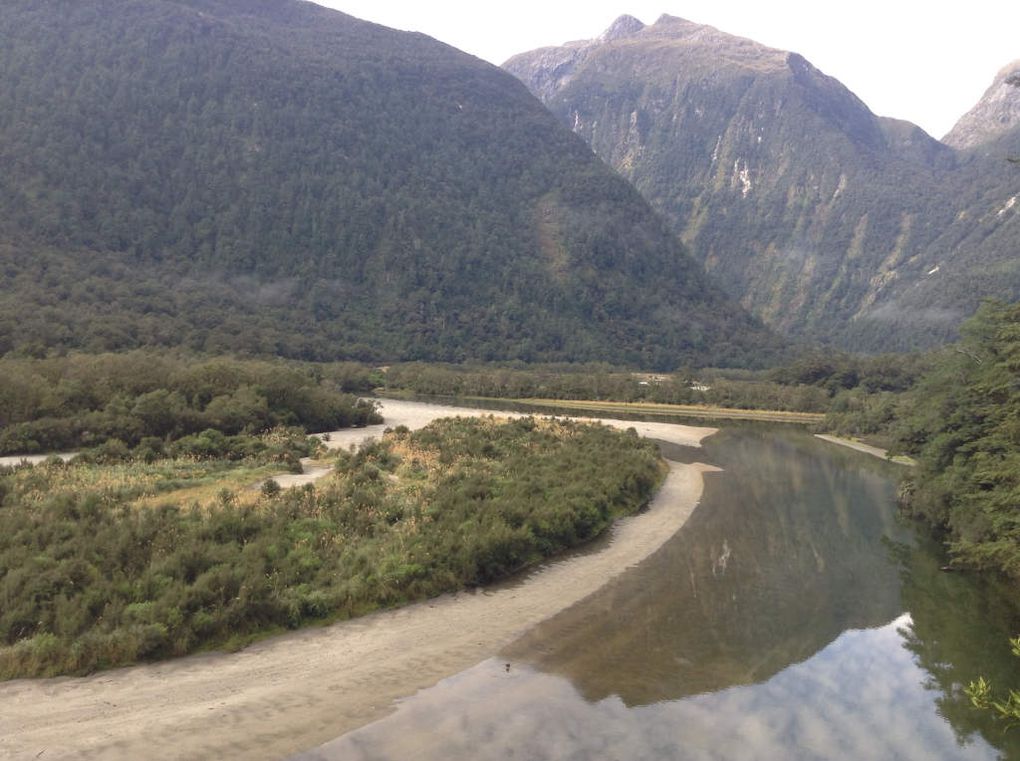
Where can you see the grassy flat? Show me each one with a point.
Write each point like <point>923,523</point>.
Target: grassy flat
<point>689,410</point>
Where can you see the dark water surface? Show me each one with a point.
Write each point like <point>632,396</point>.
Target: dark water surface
<point>793,617</point>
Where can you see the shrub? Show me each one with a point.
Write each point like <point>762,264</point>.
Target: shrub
<point>90,581</point>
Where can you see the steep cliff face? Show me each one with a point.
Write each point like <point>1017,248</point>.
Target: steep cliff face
<point>996,114</point>
<point>822,218</point>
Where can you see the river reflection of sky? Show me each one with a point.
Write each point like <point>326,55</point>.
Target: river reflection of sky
<point>862,697</point>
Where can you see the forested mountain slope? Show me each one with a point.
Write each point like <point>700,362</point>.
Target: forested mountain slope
<point>827,221</point>
<point>271,176</point>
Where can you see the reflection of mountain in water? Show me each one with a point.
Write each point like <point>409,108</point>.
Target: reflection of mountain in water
<point>784,554</point>
<point>744,590</point>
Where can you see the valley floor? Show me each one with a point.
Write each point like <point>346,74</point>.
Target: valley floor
<point>296,691</point>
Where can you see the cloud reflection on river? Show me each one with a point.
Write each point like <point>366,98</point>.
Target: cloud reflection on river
<point>862,697</point>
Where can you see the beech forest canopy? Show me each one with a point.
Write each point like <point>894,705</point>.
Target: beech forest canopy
<point>278,178</point>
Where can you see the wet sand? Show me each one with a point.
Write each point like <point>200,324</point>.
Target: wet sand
<point>296,691</point>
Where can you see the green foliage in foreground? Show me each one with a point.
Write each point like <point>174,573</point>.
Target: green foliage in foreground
<point>963,424</point>
<point>86,400</point>
<point>982,697</point>
<point>90,581</point>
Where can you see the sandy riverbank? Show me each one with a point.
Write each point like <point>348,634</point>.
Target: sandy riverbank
<point>299,690</point>
<point>34,459</point>
<point>866,448</point>
<point>419,414</point>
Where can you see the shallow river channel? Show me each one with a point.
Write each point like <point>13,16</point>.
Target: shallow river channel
<point>794,616</point>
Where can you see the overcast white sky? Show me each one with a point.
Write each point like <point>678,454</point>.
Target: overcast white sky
<point>909,59</point>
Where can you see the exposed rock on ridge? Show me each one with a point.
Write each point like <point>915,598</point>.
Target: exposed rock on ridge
<point>622,27</point>
<point>995,114</point>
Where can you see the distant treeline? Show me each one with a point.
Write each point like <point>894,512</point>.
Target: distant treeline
<point>87,400</point>
<point>83,401</point>
<point>816,382</point>
<point>91,580</point>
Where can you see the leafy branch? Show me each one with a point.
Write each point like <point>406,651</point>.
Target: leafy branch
<point>982,697</point>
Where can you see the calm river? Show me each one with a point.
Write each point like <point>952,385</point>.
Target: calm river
<point>793,617</point>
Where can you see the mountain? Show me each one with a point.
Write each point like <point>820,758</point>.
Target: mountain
<point>268,176</point>
<point>825,220</point>
<point>995,115</point>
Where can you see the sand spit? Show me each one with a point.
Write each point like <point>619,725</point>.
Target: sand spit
<point>297,691</point>
<point>419,414</point>
<point>866,448</point>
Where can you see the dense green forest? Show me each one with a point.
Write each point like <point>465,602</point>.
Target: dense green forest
<point>149,398</point>
<point>103,565</point>
<point>814,382</point>
<point>962,422</point>
<point>276,178</point>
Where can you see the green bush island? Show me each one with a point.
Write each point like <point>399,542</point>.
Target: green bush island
<point>90,578</point>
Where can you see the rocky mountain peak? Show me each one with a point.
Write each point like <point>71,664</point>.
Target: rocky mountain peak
<point>997,112</point>
<point>624,26</point>
<point>675,24</point>
<point>785,185</point>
